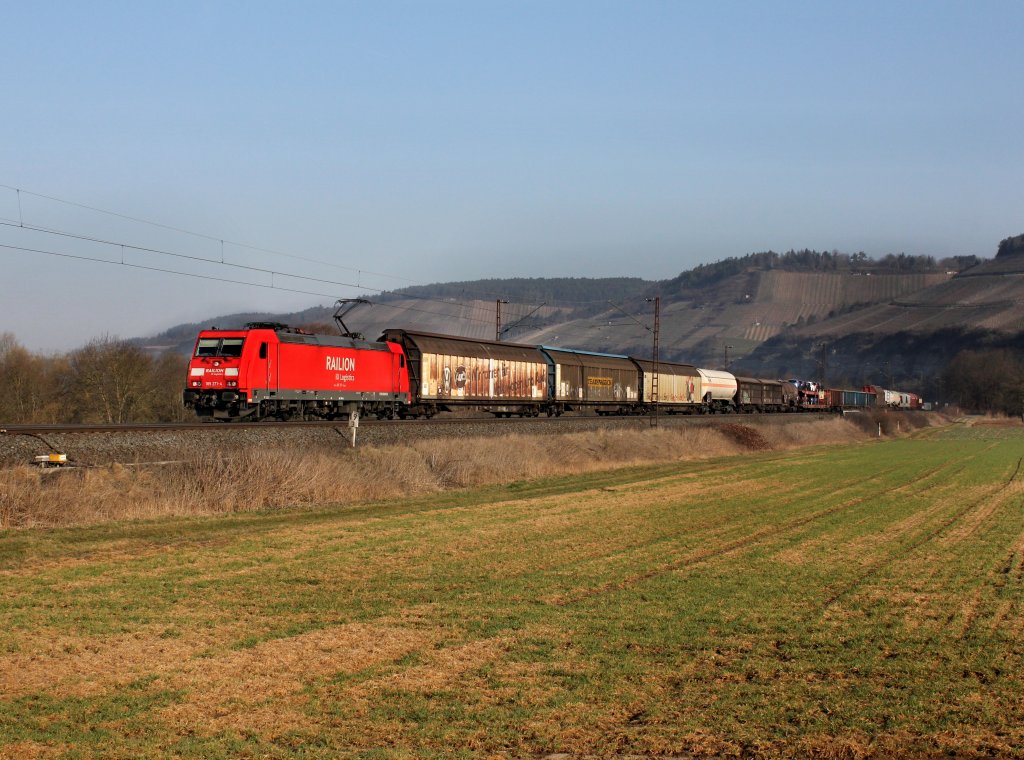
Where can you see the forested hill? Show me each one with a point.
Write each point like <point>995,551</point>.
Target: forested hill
<point>807,260</point>
<point>1011,246</point>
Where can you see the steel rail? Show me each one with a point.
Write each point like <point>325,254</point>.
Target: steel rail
<point>145,427</point>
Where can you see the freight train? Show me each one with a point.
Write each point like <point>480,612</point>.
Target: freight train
<point>271,371</point>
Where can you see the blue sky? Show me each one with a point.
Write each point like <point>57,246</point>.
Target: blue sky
<point>437,141</point>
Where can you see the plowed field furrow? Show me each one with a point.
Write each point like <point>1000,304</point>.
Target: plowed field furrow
<point>722,548</point>
<point>927,534</point>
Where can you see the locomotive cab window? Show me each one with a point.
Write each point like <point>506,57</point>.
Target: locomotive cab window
<point>263,350</point>
<point>220,347</point>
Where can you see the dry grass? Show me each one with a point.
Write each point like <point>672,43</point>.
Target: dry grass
<point>262,479</point>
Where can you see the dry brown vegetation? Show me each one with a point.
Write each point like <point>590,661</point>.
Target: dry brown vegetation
<point>270,478</point>
<point>107,380</point>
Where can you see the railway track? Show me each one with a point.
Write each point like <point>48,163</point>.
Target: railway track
<point>101,445</point>
<point>441,422</point>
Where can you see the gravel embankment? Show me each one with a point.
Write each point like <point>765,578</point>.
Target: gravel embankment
<point>130,447</point>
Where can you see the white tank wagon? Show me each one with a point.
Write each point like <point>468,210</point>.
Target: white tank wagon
<point>718,389</point>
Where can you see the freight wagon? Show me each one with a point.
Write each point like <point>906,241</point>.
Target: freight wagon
<point>895,399</point>
<point>809,395</point>
<point>447,373</point>
<point>758,395</point>
<point>604,383</point>
<point>718,390</point>
<point>839,400</point>
<point>680,387</point>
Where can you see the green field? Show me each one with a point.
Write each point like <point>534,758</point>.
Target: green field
<point>838,601</point>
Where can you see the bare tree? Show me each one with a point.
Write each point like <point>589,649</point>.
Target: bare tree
<point>30,392</point>
<point>168,379</point>
<point>110,380</point>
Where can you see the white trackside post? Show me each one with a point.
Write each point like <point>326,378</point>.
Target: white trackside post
<point>353,425</point>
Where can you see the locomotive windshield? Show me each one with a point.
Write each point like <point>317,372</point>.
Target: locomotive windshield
<point>220,347</point>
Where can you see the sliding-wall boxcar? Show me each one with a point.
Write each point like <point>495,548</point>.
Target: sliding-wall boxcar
<point>580,380</point>
<point>680,387</point>
<point>447,373</point>
<point>759,395</point>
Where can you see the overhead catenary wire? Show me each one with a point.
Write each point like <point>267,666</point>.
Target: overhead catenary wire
<point>246,267</point>
<point>484,294</point>
<point>222,242</point>
<point>273,273</point>
<point>201,235</point>
<point>212,238</point>
<point>475,307</point>
<point>271,286</point>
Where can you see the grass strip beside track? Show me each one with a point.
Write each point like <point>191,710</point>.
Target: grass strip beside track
<point>859,600</point>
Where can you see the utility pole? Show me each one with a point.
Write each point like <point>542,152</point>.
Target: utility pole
<point>497,323</point>
<point>822,361</point>
<point>654,374</point>
<point>656,366</point>
<point>727,347</point>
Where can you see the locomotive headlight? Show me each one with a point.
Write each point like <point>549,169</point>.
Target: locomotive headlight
<point>232,383</point>
<point>197,383</point>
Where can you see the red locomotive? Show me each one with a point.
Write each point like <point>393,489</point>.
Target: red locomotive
<point>269,370</point>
